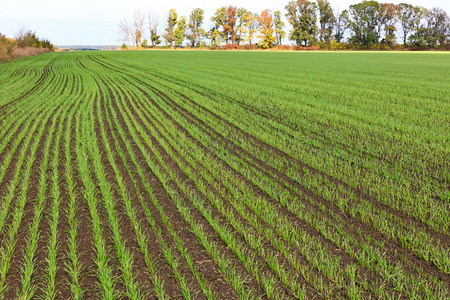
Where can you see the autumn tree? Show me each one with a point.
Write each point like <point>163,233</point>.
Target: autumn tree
<point>302,16</point>
<point>250,27</point>
<point>138,22</point>
<point>279,27</point>
<point>180,31</point>
<point>215,36</point>
<point>3,48</point>
<point>229,27</point>
<point>153,22</point>
<point>326,20</point>
<point>389,15</point>
<point>195,31</point>
<point>219,20</point>
<point>27,38</point>
<point>242,13</point>
<point>169,36</point>
<point>231,22</point>
<point>266,30</point>
<point>126,31</point>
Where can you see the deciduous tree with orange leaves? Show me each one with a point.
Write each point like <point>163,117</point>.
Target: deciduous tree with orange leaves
<point>266,30</point>
<point>230,24</point>
<point>389,15</point>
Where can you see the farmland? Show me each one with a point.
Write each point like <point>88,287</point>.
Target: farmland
<point>230,175</point>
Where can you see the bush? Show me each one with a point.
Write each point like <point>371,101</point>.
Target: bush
<point>25,43</point>
<point>301,48</point>
<point>248,47</point>
<point>283,47</point>
<point>27,51</point>
<point>229,46</point>
<point>214,47</point>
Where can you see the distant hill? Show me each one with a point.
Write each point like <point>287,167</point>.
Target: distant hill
<point>86,47</point>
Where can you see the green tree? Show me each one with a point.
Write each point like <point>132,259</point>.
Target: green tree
<point>219,19</point>
<point>154,38</point>
<point>406,20</point>
<point>326,20</point>
<point>169,36</point>
<point>195,31</point>
<point>180,31</point>
<point>279,25</point>
<point>421,36</point>
<point>301,15</point>
<point>432,28</point>
<point>153,22</point>
<point>341,25</point>
<point>364,22</point>
<point>439,25</point>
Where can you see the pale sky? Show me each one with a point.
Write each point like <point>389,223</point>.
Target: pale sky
<point>95,22</point>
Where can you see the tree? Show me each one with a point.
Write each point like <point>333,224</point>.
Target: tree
<point>439,25</point>
<point>27,38</point>
<point>132,33</point>
<point>153,22</point>
<point>126,31</point>
<point>302,16</point>
<point>230,24</point>
<point>250,27</point>
<point>420,36</point>
<point>138,22</point>
<point>242,13</point>
<point>389,15</point>
<point>364,23</point>
<point>406,20</point>
<point>215,36</point>
<point>341,25</point>
<point>180,31</point>
<point>169,36</point>
<point>266,30</point>
<point>219,19</point>
<point>279,25</point>
<point>195,32</point>
<point>326,20</point>
<point>432,28</point>
<point>233,23</point>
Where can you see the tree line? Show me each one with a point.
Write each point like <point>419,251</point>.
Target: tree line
<point>365,25</point>
<point>24,43</point>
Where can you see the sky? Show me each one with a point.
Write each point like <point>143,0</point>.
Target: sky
<point>95,22</point>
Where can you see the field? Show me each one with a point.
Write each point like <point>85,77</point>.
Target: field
<point>225,175</point>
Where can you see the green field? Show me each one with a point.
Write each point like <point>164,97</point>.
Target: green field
<point>225,175</point>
